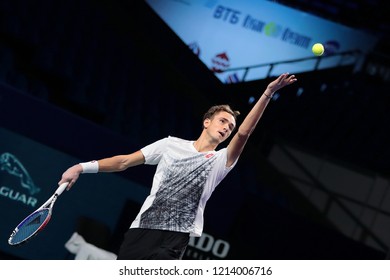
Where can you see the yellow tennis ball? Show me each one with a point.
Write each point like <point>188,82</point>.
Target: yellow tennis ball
<point>318,49</point>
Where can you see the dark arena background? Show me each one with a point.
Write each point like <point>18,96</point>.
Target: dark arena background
<point>83,80</point>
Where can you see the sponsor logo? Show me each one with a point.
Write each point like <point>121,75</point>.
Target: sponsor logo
<point>273,29</point>
<point>331,46</point>
<point>220,63</point>
<point>232,78</point>
<point>195,48</point>
<point>209,155</point>
<point>270,29</point>
<point>207,247</point>
<point>10,165</point>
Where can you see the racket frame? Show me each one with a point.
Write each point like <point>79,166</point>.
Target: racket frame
<point>47,205</point>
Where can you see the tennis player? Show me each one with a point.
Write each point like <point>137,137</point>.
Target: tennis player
<point>186,175</point>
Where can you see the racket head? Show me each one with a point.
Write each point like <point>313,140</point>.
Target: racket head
<point>30,226</point>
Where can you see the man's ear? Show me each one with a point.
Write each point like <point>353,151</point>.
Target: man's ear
<point>206,123</point>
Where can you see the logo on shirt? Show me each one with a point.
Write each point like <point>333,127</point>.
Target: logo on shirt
<point>209,155</point>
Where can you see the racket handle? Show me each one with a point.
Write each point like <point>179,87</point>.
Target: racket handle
<point>61,188</point>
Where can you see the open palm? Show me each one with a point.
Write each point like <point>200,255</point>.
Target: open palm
<point>282,81</point>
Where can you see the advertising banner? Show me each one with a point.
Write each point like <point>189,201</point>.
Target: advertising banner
<point>248,40</point>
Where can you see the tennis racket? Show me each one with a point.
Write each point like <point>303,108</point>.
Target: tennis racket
<point>36,221</point>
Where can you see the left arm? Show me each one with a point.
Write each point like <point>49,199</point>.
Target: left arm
<point>239,140</point>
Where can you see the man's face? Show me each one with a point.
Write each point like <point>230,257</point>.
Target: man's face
<point>220,126</point>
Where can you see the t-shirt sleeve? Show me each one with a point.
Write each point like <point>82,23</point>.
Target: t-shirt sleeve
<point>153,152</point>
<point>223,170</point>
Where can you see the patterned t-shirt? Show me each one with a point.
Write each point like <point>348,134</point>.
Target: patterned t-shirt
<point>183,182</point>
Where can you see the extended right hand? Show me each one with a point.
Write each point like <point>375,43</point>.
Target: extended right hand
<point>71,175</point>
<point>280,82</point>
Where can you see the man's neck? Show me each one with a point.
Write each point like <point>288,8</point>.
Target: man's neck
<point>204,145</point>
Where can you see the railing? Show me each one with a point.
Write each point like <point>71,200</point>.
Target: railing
<point>305,64</point>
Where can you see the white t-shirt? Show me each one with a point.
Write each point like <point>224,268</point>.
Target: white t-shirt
<point>183,182</point>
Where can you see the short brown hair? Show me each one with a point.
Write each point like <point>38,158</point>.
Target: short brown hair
<point>219,108</point>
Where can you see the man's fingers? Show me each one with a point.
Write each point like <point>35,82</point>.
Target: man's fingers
<point>70,183</point>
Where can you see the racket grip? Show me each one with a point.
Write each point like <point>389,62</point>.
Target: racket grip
<point>61,188</point>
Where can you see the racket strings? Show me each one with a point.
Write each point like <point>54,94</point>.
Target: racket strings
<point>35,222</point>
<point>30,226</point>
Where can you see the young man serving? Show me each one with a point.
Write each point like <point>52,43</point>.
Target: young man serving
<point>187,173</point>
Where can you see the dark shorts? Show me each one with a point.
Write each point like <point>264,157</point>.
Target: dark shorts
<point>153,244</point>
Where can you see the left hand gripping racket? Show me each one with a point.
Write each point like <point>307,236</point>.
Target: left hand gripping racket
<point>36,221</point>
